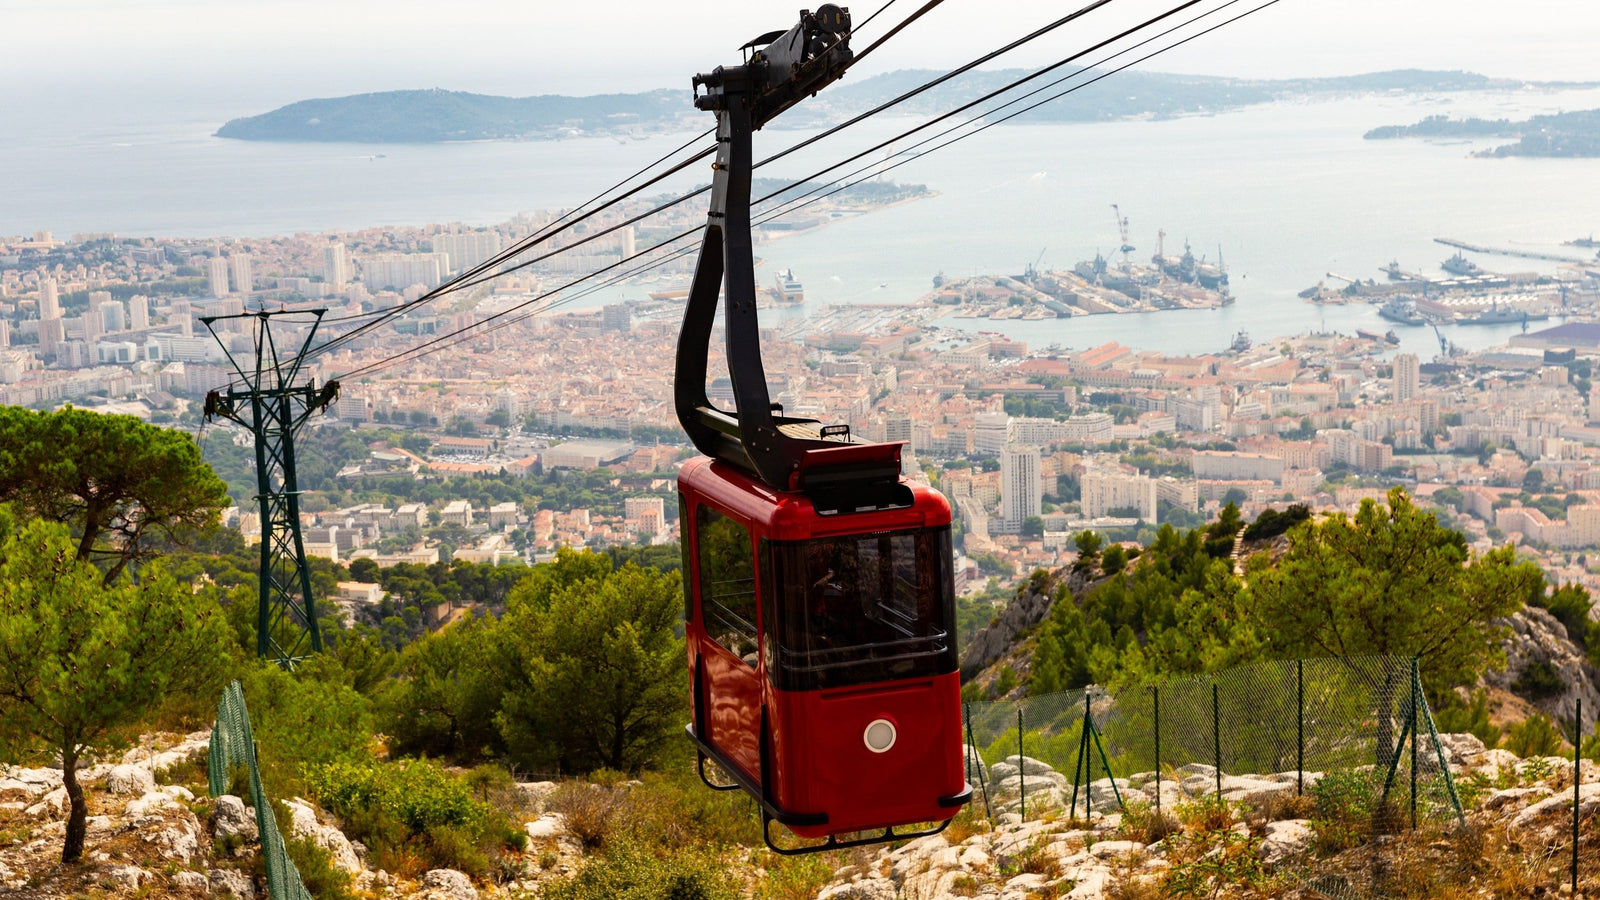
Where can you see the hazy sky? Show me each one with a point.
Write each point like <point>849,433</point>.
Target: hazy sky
<point>266,52</point>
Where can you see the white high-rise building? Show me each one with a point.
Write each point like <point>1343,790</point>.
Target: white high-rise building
<point>139,311</point>
<point>5,333</point>
<point>467,249</point>
<point>1407,373</point>
<point>217,276</point>
<point>1106,490</point>
<point>335,266</point>
<point>49,299</point>
<point>243,280</point>
<point>402,270</point>
<point>989,433</point>
<point>1021,490</point>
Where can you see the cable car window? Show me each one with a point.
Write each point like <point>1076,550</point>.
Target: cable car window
<point>864,608</point>
<point>683,548</point>
<point>727,583</point>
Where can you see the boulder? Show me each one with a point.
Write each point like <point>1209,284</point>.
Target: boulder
<point>448,884</point>
<point>231,883</point>
<point>1462,751</point>
<point>231,817</point>
<point>150,804</point>
<point>1111,850</point>
<point>1028,765</point>
<point>536,792</point>
<point>1560,803</point>
<point>865,889</point>
<point>50,805</point>
<point>191,881</point>
<point>303,824</point>
<point>130,779</point>
<point>1284,839</point>
<point>129,878</point>
<point>548,827</point>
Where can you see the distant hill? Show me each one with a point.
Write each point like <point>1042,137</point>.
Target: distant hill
<point>1561,134</point>
<point>438,115</point>
<point>405,117</point>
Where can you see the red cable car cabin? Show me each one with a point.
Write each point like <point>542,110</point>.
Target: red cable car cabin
<point>823,653</point>
<point>820,621</point>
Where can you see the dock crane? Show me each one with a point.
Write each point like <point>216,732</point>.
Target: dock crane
<point>1122,231</point>
<point>1033,268</point>
<point>1444,345</point>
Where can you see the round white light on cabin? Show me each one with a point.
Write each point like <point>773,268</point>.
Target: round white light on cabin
<point>880,735</point>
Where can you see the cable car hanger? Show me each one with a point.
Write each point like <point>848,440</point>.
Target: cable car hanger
<point>788,453</point>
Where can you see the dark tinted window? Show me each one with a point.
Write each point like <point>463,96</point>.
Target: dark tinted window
<point>864,608</point>
<point>683,548</point>
<point>727,582</point>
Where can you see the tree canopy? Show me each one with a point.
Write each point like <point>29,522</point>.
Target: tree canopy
<point>114,480</point>
<point>1390,580</point>
<point>80,657</point>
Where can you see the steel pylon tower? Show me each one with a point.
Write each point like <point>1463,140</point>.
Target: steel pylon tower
<point>273,408</point>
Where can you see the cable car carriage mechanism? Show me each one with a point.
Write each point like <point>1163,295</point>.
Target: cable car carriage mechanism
<point>820,602</point>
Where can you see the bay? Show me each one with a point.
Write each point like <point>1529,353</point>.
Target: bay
<point>1285,192</point>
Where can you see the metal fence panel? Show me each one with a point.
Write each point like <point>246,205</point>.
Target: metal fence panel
<point>233,745</point>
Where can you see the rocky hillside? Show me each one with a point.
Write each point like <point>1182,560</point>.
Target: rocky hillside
<point>153,833</point>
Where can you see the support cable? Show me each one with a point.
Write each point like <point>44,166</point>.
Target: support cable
<point>424,348</point>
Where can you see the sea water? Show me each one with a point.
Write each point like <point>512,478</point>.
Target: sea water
<point>1285,193</point>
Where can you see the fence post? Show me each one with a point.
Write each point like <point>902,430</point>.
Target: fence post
<point>982,782</point>
<point>1216,735</point>
<point>1155,698</point>
<point>1416,708</point>
<point>1022,768</point>
<point>1300,728</point>
<point>1577,778</point>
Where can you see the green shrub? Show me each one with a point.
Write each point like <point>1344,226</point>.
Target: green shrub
<point>320,876</point>
<point>1345,804</point>
<point>626,873</point>
<point>1533,736</point>
<point>415,809</point>
<point>1472,718</point>
<point>1538,680</point>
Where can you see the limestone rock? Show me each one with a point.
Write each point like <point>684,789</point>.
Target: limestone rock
<point>150,803</point>
<point>231,817</point>
<point>191,881</point>
<point>448,884</point>
<point>129,878</point>
<point>1284,839</point>
<point>303,824</point>
<point>549,826</point>
<point>865,889</point>
<point>130,779</point>
<point>536,792</point>
<point>1462,751</point>
<point>51,805</point>
<point>1537,636</point>
<point>231,883</point>
<point>1561,802</point>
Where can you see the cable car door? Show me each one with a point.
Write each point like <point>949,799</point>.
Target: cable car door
<point>730,655</point>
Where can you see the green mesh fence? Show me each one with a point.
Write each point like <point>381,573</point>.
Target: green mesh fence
<point>232,745</point>
<point>1347,742</point>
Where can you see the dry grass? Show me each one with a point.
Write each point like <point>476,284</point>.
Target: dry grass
<point>1280,806</point>
<point>1032,859</point>
<point>966,824</point>
<point>1141,822</point>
